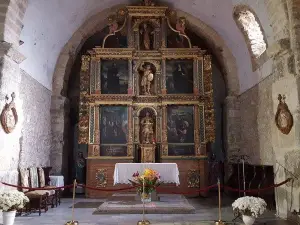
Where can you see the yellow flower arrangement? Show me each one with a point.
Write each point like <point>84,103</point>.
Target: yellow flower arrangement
<point>150,178</point>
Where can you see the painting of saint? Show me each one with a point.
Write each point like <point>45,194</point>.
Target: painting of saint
<point>179,76</point>
<point>114,77</point>
<point>180,124</point>
<point>146,36</point>
<point>113,124</point>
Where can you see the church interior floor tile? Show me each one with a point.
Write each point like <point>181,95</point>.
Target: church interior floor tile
<point>206,210</point>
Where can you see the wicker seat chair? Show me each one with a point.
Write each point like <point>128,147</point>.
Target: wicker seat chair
<point>37,199</point>
<point>54,195</point>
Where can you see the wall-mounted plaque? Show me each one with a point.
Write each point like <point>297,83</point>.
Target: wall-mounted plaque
<point>283,118</point>
<point>9,115</point>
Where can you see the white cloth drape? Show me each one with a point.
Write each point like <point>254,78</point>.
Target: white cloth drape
<point>57,181</point>
<point>168,171</point>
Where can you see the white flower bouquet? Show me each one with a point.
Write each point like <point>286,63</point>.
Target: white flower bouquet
<point>12,200</point>
<point>249,206</point>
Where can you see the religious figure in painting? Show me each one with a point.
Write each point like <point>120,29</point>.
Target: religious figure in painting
<point>182,83</point>
<point>180,125</point>
<point>113,80</point>
<point>146,37</point>
<point>147,129</point>
<point>147,78</point>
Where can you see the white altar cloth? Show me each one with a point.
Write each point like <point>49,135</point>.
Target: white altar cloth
<point>169,172</point>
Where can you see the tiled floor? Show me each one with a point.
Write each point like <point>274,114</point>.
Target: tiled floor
<point>206,210</point>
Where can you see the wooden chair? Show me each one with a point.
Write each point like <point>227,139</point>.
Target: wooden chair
<point>54,195</point>
<point>37,199</point>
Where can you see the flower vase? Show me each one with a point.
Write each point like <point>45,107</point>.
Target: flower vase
<point>146,197</point>
<point>9,217</point>
<point>248,220</point>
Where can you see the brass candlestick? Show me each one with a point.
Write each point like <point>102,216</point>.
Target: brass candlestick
<point>143,222</point>
<point>72,222</point>
<point>219,222</point>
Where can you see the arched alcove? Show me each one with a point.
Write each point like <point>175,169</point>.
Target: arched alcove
<point>66,93</point>
<point>250,26</point>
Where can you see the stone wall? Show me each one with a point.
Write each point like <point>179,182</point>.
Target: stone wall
<point>260,138</point>
<point>256,109</point>
<point>36,130</point>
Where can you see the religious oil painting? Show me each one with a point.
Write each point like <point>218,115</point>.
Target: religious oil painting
<point>113,124</point>
<point>114,76</point>
<point>180,124</point>
<point>179,75</point>
<point>115,34</point>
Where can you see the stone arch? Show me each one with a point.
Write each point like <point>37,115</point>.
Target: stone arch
<point>59,107</point>
<point>98,22</point>
<point>253,32</point>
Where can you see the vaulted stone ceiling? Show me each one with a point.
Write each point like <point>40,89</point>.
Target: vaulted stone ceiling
<point>49,24</point>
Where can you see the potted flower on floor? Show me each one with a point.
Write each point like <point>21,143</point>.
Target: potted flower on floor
<point>250,208</point>
<point>10,202</point>
<point>150,178</point>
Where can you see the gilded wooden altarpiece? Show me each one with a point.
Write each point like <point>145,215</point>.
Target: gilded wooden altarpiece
<point>144,74</point>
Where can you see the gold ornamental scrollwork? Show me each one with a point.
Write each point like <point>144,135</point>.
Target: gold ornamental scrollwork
<point>101,177</point>
<point>193,179</point>
<point>85,59</point>
<point>209,101</point>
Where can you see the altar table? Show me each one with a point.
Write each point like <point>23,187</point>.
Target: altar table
<point>168,171</point>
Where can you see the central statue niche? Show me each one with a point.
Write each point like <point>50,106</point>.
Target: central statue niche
<point>147,126</point>
<point>146,36</point>
<point>147,118</point>
<point>147,72</point>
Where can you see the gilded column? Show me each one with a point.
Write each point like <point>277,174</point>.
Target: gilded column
<point>130,77</point>
<point>163,33</point>
<point>163,77</point>
<point>164,150</point>
<point>197,131</point>
<point>130,132</point>
<point>195,77</point>
<point>92,124</point>
<point>97,125</point>
<point>93,76</point>
<point>200,75</point>
<point>98,77</point>
<point>83,126</point>
<point>129,31</point>
<point>209,101</point>
<point>157,39</point>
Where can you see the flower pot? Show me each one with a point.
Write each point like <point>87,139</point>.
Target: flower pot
<point>9,217</point>
<point>248,220</point>
<point>146,197</point>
